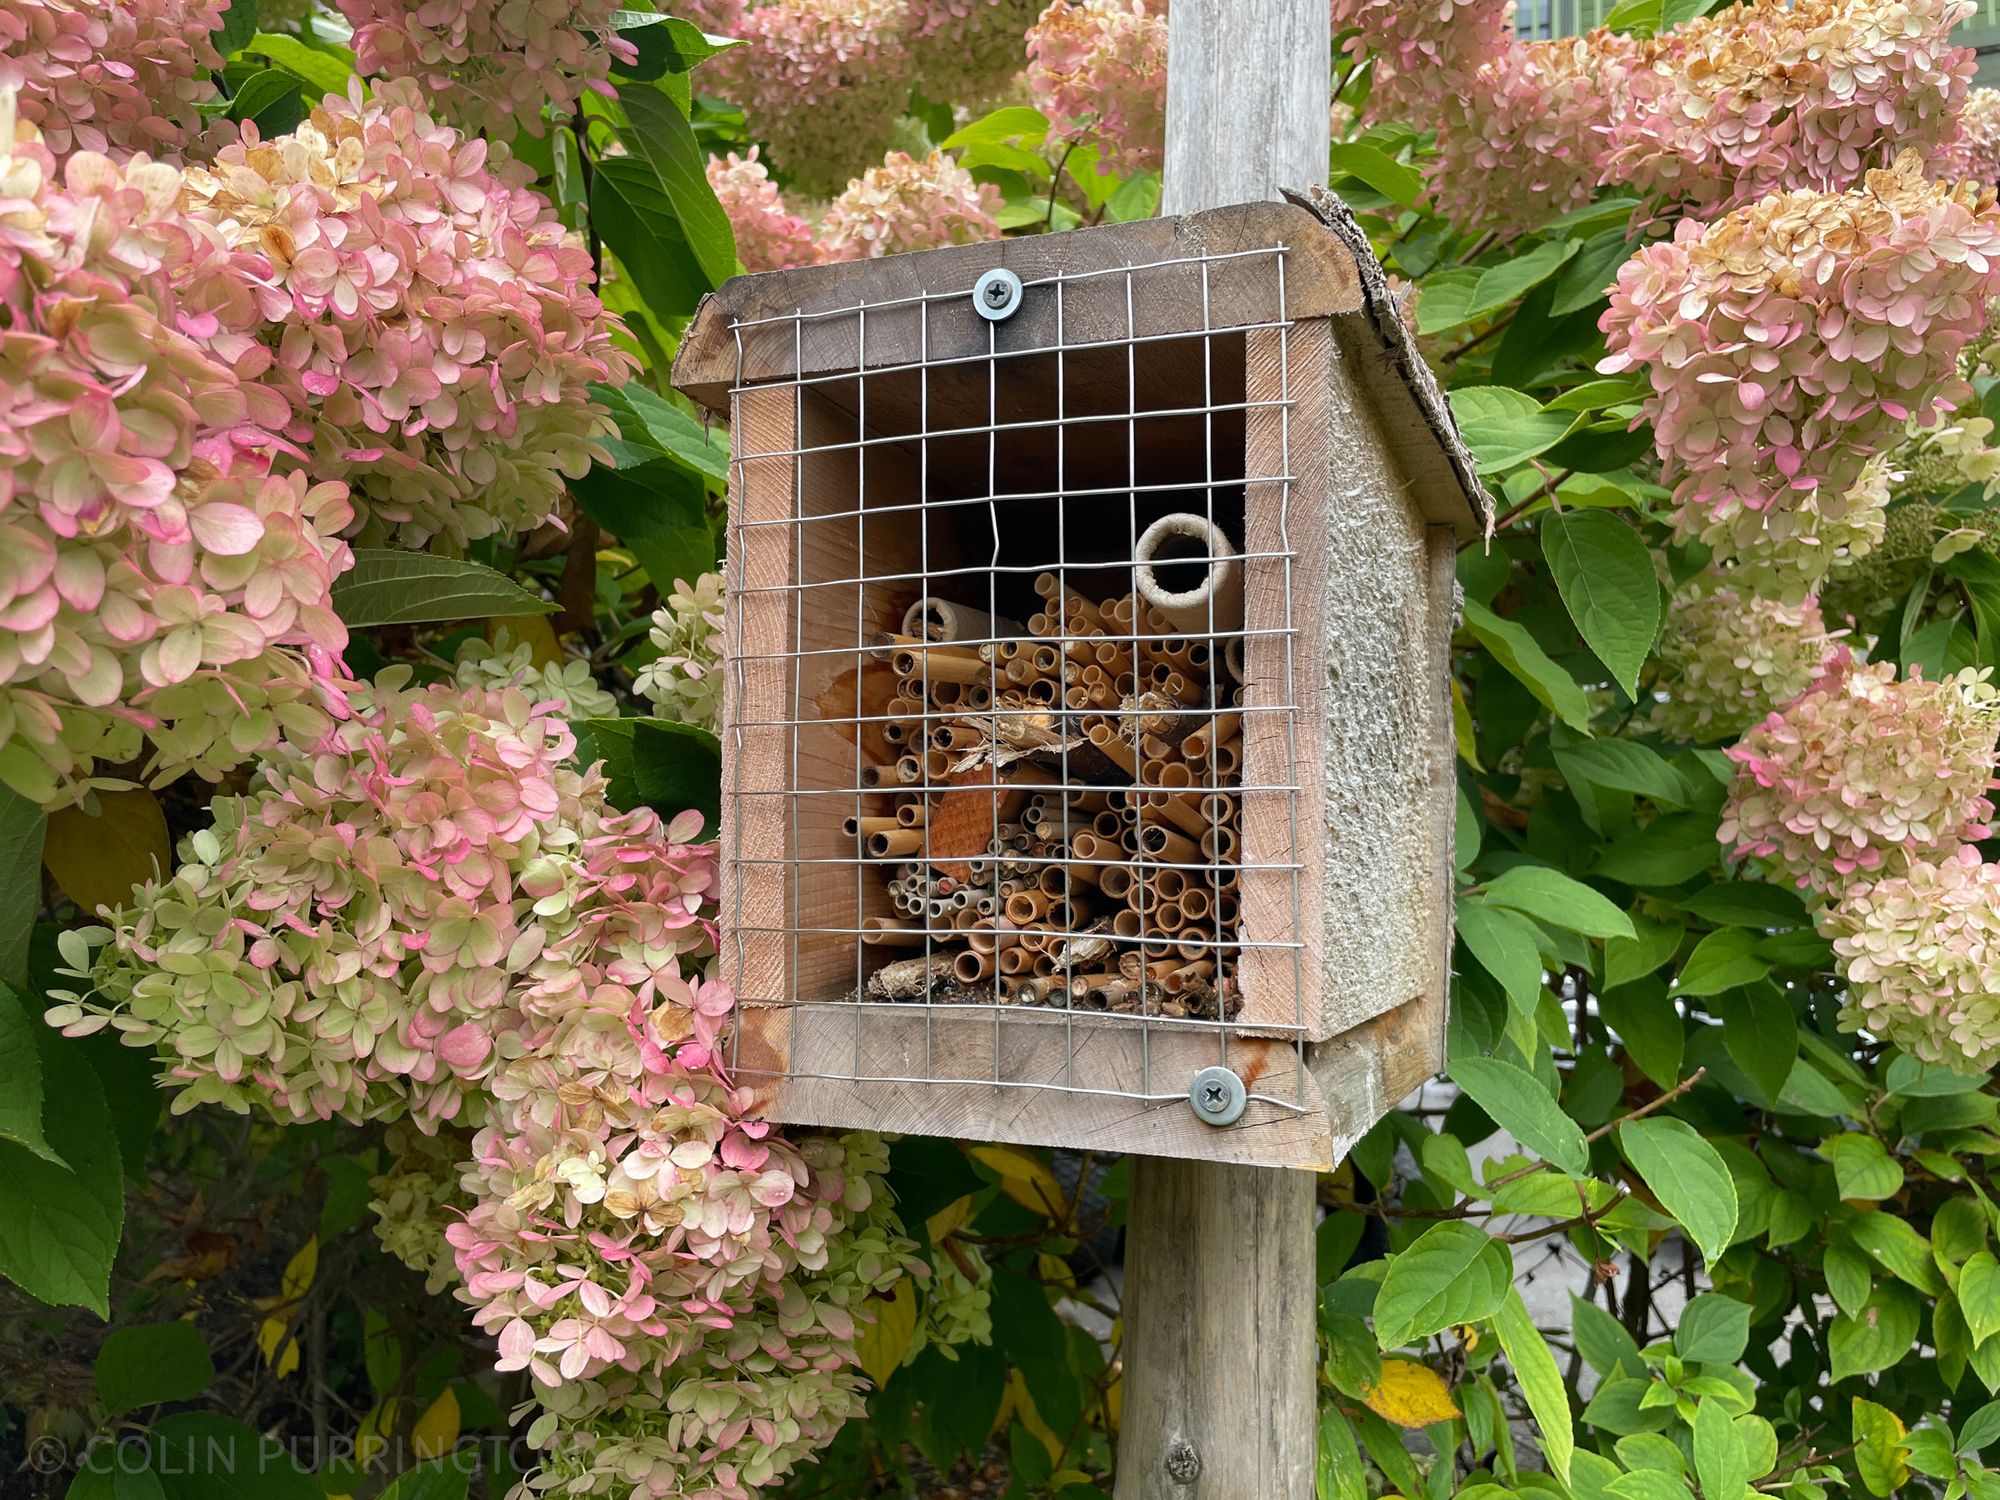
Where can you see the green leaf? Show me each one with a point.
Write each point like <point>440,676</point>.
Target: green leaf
<point>238,25</point>
<point>271,100</point>
<point>1979,1295</point>
<point>59,1225</point>
<point>21,1077</point>
<point>1673,848</point>
<point>387,587</point>
<point>325,71</point>
<point>1381,171</point>
<point>1910,1078</point>
<point>1445,296</point>
<point>1541,1382</point>
<point>1724,960</point>
<point>1719,1460</point>
<point>1651,945</point>
<point>1647,1484</point>
<point>1604,573</point>
<point>1589,275</point>
<point>635,217</point>
<point>1516,1101</point>
<point>1555,898</point>
<point>439,1479</point>
<point>1760,1034</point>
<point>1602,1340</point>
<point>147,1365</point>
<point>1518,651</point>
<point>652,421</point>
<point>1452,1273</point>
<point>657,763</point>
<point>1744,903</point>
<point>1623,766</point>
<point>1881,1334</point>
<point>1980,1430</point>
<point>1507,947</point>
<point>199,1456</point>
<point>1862,1166</point>
<point>1337,1471</point>
<point>666,44</point>
<point>1016,123</point>
<point>1899,1249</point>
<point>1714,1329</point>
<point>22,824</point>
<point>1502,284</point>
<point>1687,1175</point>
<point>1502,427</point>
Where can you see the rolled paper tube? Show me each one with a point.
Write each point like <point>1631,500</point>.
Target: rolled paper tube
<point>1222,727</point>
<point>1178,979</point>
<point>892,934</point>
<point>990,934</point>
<point>1232,657</point>
<point>1025,907</point>
<point>895,845</point>
<point>1220,845</point>
<point>970,967</point>
<point>935,619</point>
<point>1015,960</point>
<point>911,814</point>
<point>1115,882</point>
<point>862,827</point>
<point>940,664</point>
<point>1163,844</point>
<point>1126,923</point>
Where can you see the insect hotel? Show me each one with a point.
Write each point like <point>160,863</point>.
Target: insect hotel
<point>1088,771</point>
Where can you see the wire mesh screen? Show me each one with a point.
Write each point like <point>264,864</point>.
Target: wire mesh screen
<point>1011,714</point>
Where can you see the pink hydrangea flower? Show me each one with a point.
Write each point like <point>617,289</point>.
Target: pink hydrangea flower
<point>1791,340</point>
<point>769,237</point>
<point>1976,152</point>
<point>965,51</point>
<point>1426,51</point>
<point>114,78</point>
<point>431,319</point>
<point>160,585</point>
<point>1920,953</point>
<point>821,81</point>
<point>1728,656</point>
<point>906,204</point>
<point>1862,773</point>
<point>491,67</point>
<point>1098,70</point>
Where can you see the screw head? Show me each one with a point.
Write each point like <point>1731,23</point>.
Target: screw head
<point>997,295</point>
<point>1218,1096</point>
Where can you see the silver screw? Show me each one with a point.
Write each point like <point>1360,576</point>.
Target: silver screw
<point>997,295</point>
<point>1218,1096</point>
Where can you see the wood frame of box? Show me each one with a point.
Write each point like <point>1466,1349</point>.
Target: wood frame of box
<point>1381,494</point>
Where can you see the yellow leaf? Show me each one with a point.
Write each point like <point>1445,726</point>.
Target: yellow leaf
<point>1054,1271</point>
<point>533,631</point>
<point>280,1349</point>
<point>1024,1177</point>
<point>882,1344</point>
<point>1024,1412</point>
<point>949,1219</point>
<point>436,1431</point>
<point>98,859</point>
<point>1411,1395</point>
<point>300,1270</point>
<point>1461,727</point>
<point>373,1435</point>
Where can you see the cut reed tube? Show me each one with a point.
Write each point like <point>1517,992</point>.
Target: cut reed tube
<point>940,664</point>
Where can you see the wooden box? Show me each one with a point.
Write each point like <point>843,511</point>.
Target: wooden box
<point>1088,657</point>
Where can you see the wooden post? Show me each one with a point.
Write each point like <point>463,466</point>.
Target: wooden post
<point>1219,1293</point>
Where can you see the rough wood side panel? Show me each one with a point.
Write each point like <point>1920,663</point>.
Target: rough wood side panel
<point>1219,1273</point>
<point>1284,601</point>
<point>857,1049</point>
<point>1378,683</point>
<point>1320,279</point>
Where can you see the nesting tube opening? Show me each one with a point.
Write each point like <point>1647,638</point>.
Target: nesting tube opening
<point>1190,572</point>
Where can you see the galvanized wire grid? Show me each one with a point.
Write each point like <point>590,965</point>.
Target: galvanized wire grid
<point>960,915</point>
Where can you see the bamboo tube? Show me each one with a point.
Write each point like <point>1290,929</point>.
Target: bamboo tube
<point>1102,737</point>
<point>1228,759</point>
<point>1014,960</point>
<point>1126,924</point>
<point>1223,726</point>
<point>1025,907</point>
<point>971,967</point>
<point>1115,882</point>
<point>862,827</point>
<point>1219,807</point>
<point>992,934</point>
<point>912,814</point>
<point>1195,904</point>
<point>1171,884</point>
<point>1220,845</point>
<point>895,645</point>
<point>1170,917</point>
<point>888,933</point>
<point>1045,691</point>
<point>1157,842</point>
<point>895,845</point>
<point>940,664</point>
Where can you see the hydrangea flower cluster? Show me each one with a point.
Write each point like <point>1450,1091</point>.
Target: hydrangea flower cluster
<point>488,665</point>
<point>491,65</point>
<point>818,80</point>
<point>1729,655</point>
<point>906,204</point>
<point>1424,50</point>
<point>965,51</point>
<point>684,681</point>
<point>1791,340</point>
<point>432,320</point>
<point>353,938</point>
<point>158,583</point>
<point>1921,955</point>
<point>1098,70</point>
<point>114,79</point>
<point>769,237</point>
<point>1799,550</point>
<point>1863,773</point>
<point>1778,95</point>
<point>417,1198</point>
<point>1976,153</point>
